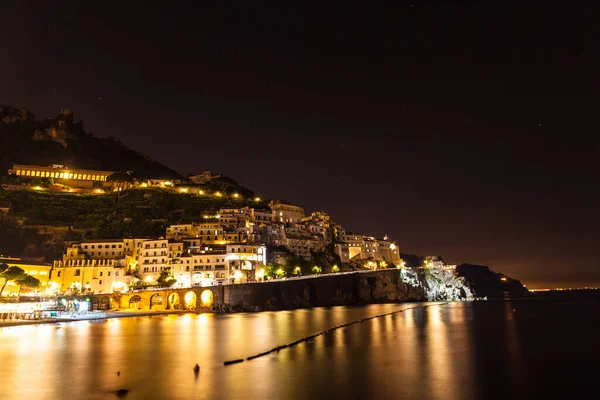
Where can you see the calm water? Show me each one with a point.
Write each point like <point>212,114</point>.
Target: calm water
<point>448,351</point>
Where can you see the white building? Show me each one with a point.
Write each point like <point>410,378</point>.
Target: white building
<point>153,259</point>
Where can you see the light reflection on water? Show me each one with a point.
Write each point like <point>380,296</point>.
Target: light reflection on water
<point>440,351</point>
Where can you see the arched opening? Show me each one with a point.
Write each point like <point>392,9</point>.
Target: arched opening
<point>95,303</point>
<point>173,301</point>
<point>190,300</point>
<point>104,303</point>
<point>156,301</point>
<point>206,298</point>
<point>135,302</point>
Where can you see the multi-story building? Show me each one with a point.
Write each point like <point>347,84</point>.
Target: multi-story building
<point>245,261</point>
<point>113,249</point>
<point>78,272</point>
<point>286,213</point>
<point>205,268</point>
<point>367,250</point>
<point>153,259</point>
<point>180,231</point>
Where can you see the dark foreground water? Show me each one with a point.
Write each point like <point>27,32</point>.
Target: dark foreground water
<point>483,350</point>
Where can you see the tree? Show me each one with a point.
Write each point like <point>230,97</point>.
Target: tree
<point>122,180</point>
<point>27,281</point>
<point>165,279</point>
<point>11,274</point>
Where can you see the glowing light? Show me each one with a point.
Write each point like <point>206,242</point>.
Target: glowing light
<point>37,188</point>
<point>393,246</point>
<point>183,190</point>
<point>218,194</point>
<point>503,279</point>
<point>335,268</point>
<point>260,273</point>
<point>200,191</point>
<point>279,271</point>
<point>148,279</point>
<point>206,298</point>
<point>190,298</point>
<point>257,199</point>
<point>236,195</point>
<point>297,270</point>
<point>237,274</point>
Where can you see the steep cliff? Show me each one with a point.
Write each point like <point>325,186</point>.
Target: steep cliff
<point>384,286</point>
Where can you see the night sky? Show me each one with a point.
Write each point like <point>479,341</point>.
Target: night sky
<point>464,131</point>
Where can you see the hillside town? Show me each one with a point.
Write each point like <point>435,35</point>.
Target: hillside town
<point>229,246</point>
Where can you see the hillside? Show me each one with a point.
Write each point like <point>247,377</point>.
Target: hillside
<point>27,140</point>
<point>62,217</point>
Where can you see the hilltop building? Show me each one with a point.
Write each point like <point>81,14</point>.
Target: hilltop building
<point>73,177</point>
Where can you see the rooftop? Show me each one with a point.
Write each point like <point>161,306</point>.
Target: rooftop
<point>15,260</point>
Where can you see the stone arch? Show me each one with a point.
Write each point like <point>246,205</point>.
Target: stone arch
<point>191,300</point>
<point>95,303</point>
<point>173,301</point>
<point>104,303</point>
<point>206,298</point>
<point>135,301</point>
<point>156,301</point>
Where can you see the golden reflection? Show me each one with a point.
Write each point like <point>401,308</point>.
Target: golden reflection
<point>438,350</point>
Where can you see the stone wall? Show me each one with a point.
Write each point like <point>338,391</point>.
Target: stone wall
<point>384,286</point>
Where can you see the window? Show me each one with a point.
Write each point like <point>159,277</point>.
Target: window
<point>100,273</point>
<point>77,272</point>
<point>114,246</point>
<point>101,281</point>
<point>85,247</point>
<point>108,273</point>
<point>93,246</point>
<point>58,274</point>
<point>92,253</point>
<point>99,246</point>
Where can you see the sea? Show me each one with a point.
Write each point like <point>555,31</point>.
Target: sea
<point>540,348</point>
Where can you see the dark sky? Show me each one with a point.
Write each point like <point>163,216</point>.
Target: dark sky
<point>459,130</point>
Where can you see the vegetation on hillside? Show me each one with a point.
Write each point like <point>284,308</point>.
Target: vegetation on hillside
<point>60,140</point>
<point>143,212</point>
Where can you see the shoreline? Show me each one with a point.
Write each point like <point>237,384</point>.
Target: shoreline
<point>109,315</point>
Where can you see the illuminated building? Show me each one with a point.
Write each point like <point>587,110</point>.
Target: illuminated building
<point>74,177</point>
